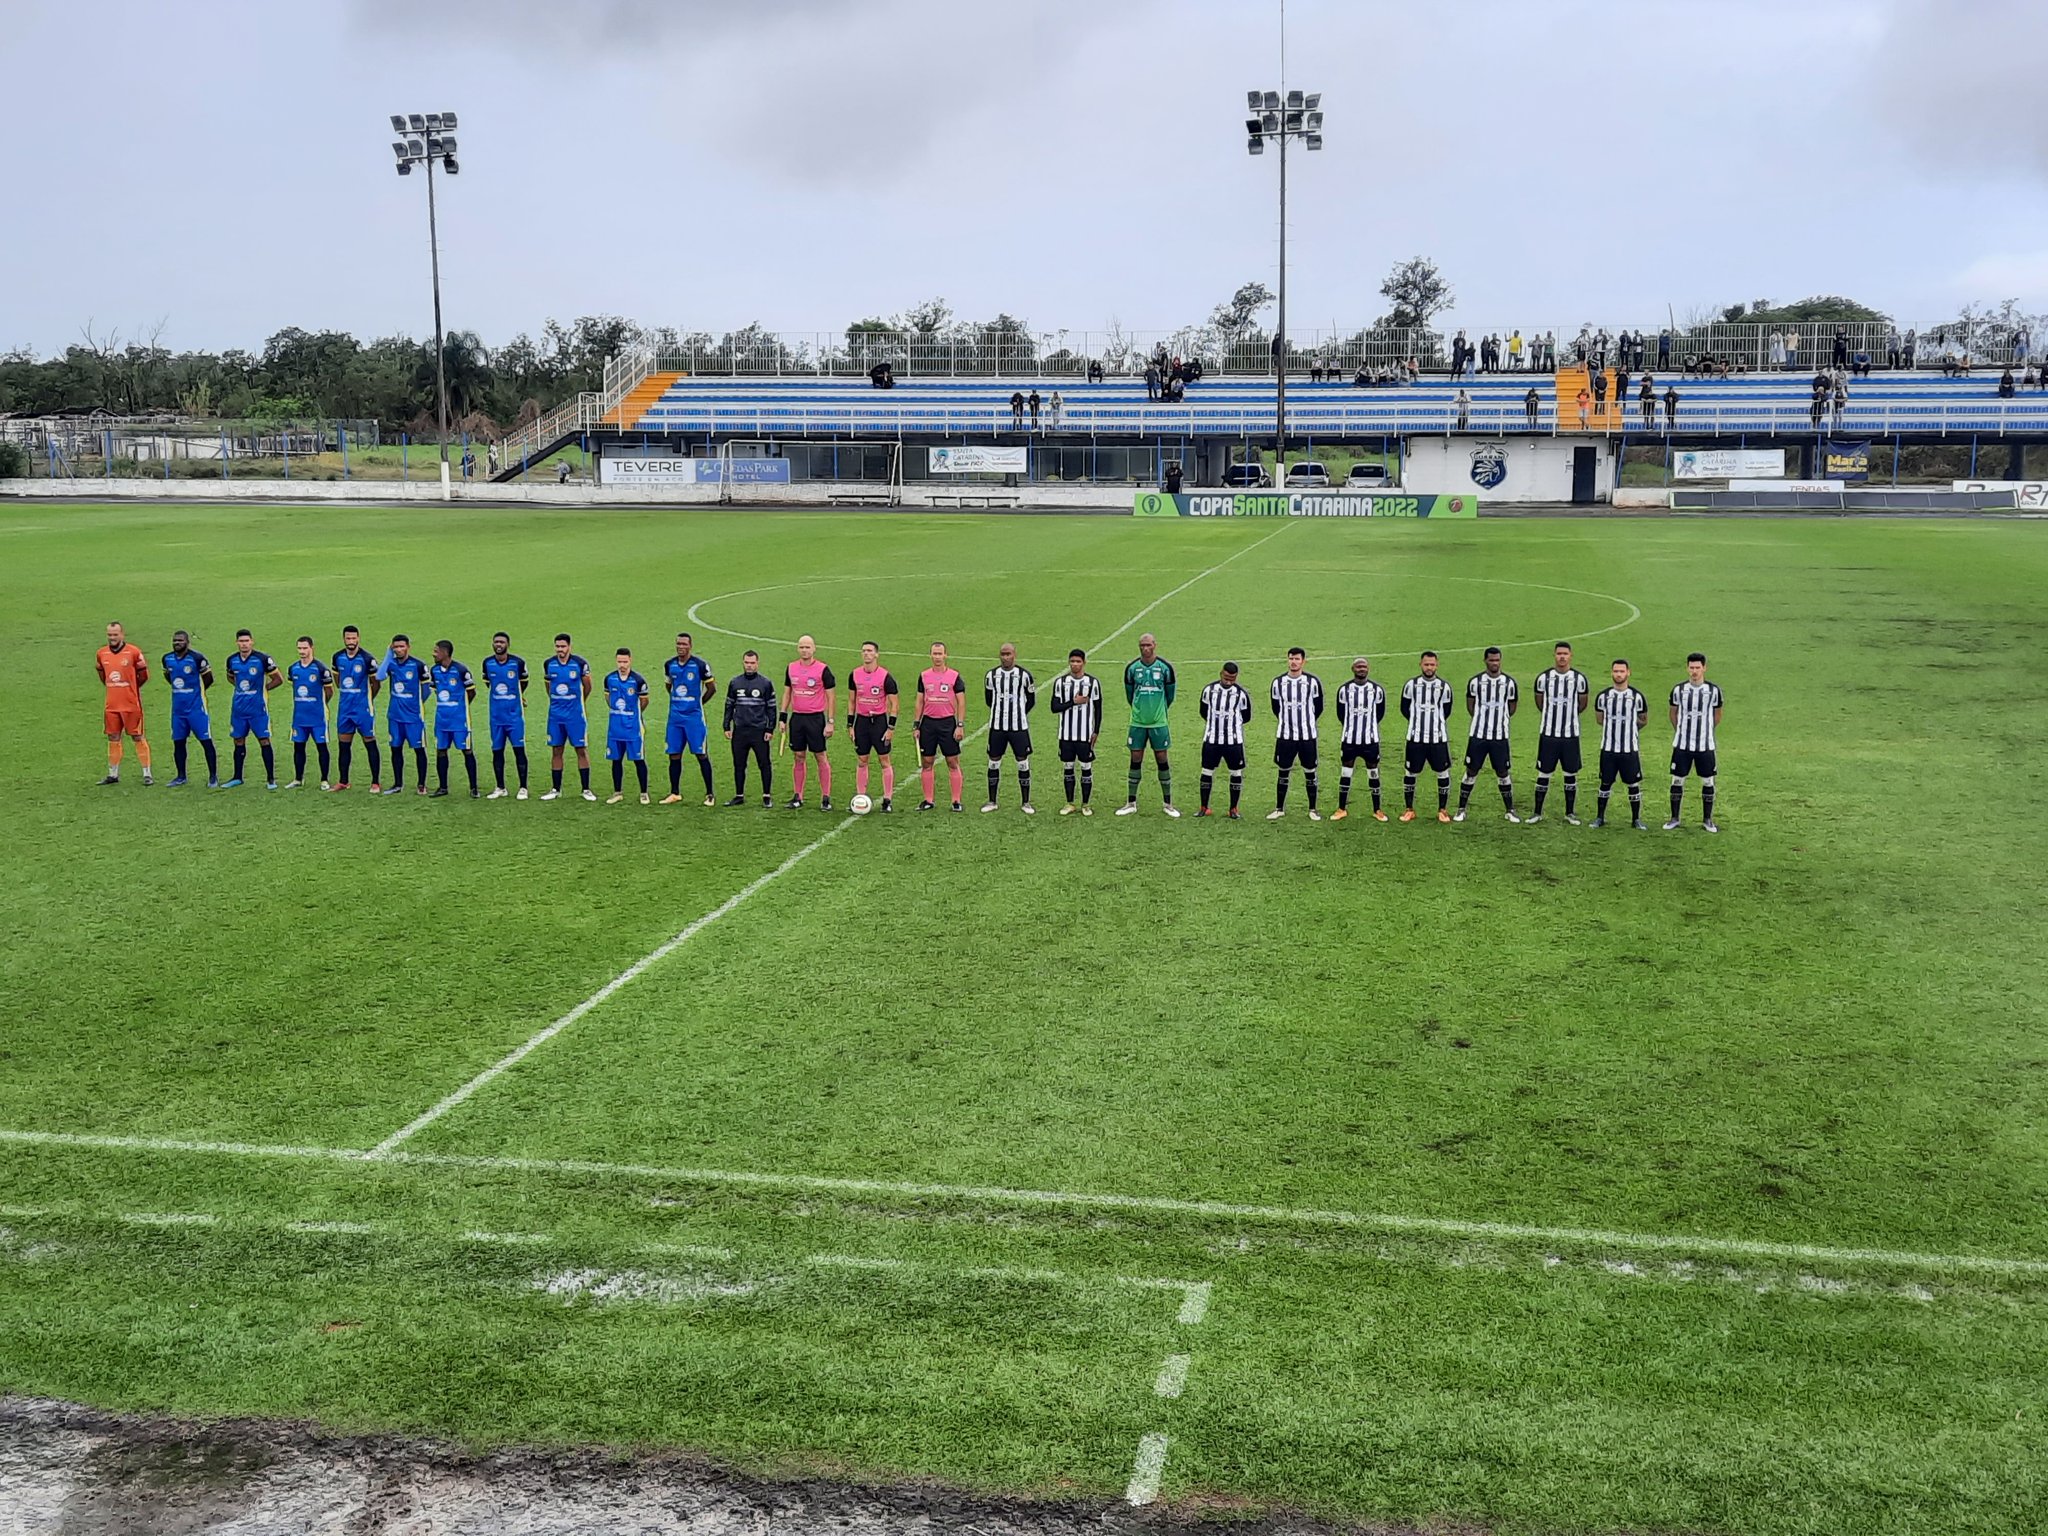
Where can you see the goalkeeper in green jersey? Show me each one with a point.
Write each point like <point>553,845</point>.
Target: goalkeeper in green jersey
<point>1149,686</point>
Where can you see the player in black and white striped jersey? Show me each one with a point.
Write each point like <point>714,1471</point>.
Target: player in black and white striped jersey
<point>1361,706</point>
<point>1562,693</point>
<point>1010,691</point>
<point>1490,699</point>
<point>1426,705</point>
<point>1695,712</point>
<point>1077,703</point>
<point>1226,710</point>
<point>1297,696</point>
<point>1621,711</point>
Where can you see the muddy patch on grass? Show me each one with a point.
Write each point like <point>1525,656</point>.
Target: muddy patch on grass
<point>71,1471</point>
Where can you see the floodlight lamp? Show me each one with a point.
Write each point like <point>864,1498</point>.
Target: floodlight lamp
<point>448,144</point>
<point>1294,122</point>
<point>1294,100</point>
<point>405,167</point>
<point>1315,122</point>
<point>1272,101</point>
<point>1312,100</point>
<point>419,124</point>
<point>1251,101</point>
<point>1251,127</point>
<point>1313,140</point>
<point>415,148</point>
<point>1256,145</point>
<point>448,121</point>
<point>452,167</point>
<point>398,122</point>
<point>433,122</point>
<point>398,149</point>
<point>436,146</point>
<point>1271,122</point>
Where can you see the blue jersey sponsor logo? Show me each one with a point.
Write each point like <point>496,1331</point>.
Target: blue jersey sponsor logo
<point>186,676</point>
<point>308,681</point>
<point>404,681</point>
<point>451,694</point>
<point>622,697</point>
<point>565,684</point>
<point>352,675</point>
<point>686,681</point>
<point>247,673</point>
<point>503,679</point>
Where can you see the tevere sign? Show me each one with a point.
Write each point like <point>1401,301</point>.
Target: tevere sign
<point>1301,504</point>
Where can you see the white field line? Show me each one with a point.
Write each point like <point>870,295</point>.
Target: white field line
<point>1195,1306</point>
<point>1165,1205</point>
<point>510,1239</point>
<point>348,1228</point>
<point>406,1132</point>
<point>168,1218</point>
<point>1145,1471</point>
<point>1173,1376</point>
<point>498,1069</point>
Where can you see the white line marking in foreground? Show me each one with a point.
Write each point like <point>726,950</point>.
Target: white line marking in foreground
<point>404,1134</point>
<point>1196,1306</point>
<point>1173,1376</point>
<point>1176,592</point>
<point>1168,1205</point>
<point>1151,1462</point>
<point>351,1228</point>
<point>168,1218</point>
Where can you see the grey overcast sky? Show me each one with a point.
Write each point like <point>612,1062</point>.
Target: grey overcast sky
<point>223,166</point>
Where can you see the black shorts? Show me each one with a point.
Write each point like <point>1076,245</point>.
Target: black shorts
<point>1625,766</point>
<point>1016,743</point>
<point>1429,754</point>
<point>1287,753</point>
<point>807,733</point>
<point>1216,755</point>
<point>1557,752</point>
<point>1684,762</point>
<point>1077,751</point>
<point>1479,751</point>
<point>870,734</point>
<point>1367,752</point>
<point>935,736</point>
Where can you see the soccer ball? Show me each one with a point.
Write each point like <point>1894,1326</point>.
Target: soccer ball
<point>860,805</point>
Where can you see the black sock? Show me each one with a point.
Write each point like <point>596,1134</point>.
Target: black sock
<point>324,761</point>
<point>1166,784</point>
<point>1542,790</point>
<point>1465,791</point>
<point>1571,794</point>
<point>1706,799</point>
<point>398,767</point>
<point>675,775</point>
<point>1236,786</point>
<point>1208,783</point>
<point>298,760</point>
<point>1087,782</point>
<point>1136,774</point>
<point>269,763</point>
<point>1344,787</point>
<point>995,777</point>
<point>1372,777</point>
<point>419,764</point>
<point>519,762</point>
<point>1443,791</point>
<point>469,762</point>
<point>1067,778</point>
<point>640,767</point>
<point>1507,793</point>
<point>1308,778</point>
<point>212,759</point>
<point>1024,782</point>
<point>440,768</point>
<point>555,777</point>
<point>348,750</point>
<point>498,765</point>
<point>1677,797</point>
<point>178,757</point>
<point>618,774</point>
<point>376,764</point>
<point>1408,790</point>
<point>704,767</point>
<point>583,774</point>
<point>241,757</point>
<point>1600,804</point>
<point>1635,801</point>
<point>1280,790</point>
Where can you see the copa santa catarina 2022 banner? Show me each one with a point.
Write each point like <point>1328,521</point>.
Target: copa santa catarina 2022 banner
<point>1300,504</point>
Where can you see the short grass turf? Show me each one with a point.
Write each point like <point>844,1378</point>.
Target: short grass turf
<point>1822,1027</point>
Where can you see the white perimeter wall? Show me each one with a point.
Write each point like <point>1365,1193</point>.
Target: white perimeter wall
<point>1538,468</point>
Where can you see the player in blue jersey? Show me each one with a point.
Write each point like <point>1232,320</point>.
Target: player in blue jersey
<point>625,700</point>
<point>405,687</point>
<point>569,681</point>
<point>312,686</point>
<point>690,687</point>
<point>453,690</point>
<point>251,674</point>
<point>188,675</point>
<point>505,682</point>
<point>356,681</point>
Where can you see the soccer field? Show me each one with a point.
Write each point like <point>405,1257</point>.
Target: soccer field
<point>1535,1177</point>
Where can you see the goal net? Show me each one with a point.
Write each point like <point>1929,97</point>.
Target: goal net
<point>769,470</point>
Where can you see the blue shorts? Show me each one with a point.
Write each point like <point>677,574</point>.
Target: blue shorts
<point>568,731</point>
<point>190,721</point>
<point>311,730</point>
<point>356,720</point>
<point>509,732</point>
<point>406,733</point>
<point>251,719</point>
<point>686,730</point>
<point>451,738</point>
<point>617,747</point>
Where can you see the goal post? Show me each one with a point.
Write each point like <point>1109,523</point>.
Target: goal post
<point>767,470</point>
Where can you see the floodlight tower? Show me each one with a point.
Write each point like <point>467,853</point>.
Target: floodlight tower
<point>423,139</point>
<point>1270,117</point>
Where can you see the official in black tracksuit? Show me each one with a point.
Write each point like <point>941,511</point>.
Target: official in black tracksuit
<point>749,723</point>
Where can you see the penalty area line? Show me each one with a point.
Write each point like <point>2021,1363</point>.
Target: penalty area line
<point>1157,1205</point>
<point>653,957</point>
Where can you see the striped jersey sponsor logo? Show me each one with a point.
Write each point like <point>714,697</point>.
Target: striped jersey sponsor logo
<point>1225,709</point>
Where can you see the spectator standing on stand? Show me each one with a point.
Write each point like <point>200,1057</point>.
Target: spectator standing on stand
<point>1585,402</point>
<point>1777,350</point>
<point>1034,402</point>
<point>1841,400</point>
<point>1053,408</point>
<point>1515,352</point>
<point>1532,405</point>
<point>1664,350</point>
<point>1670,407</point>
<point>1464,405</point>
<point>1600,395</point>
<point>1621,388</point>
<point>1792,350</point>
<point>1841,347</point>
<point>1017,410</point>
<point>1152,381</point>
<point>1912,346</point>
<point>1649,402</point>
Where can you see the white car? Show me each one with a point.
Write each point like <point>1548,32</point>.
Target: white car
<point>1308,474</point>
<point>1368,477</point>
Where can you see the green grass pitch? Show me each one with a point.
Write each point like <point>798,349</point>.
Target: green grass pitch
<point>1530,1177</point>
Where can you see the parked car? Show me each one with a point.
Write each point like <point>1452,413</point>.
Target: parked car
<point>1368,477</point>
<point>1308,474</point>
<point>1247,477</point>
